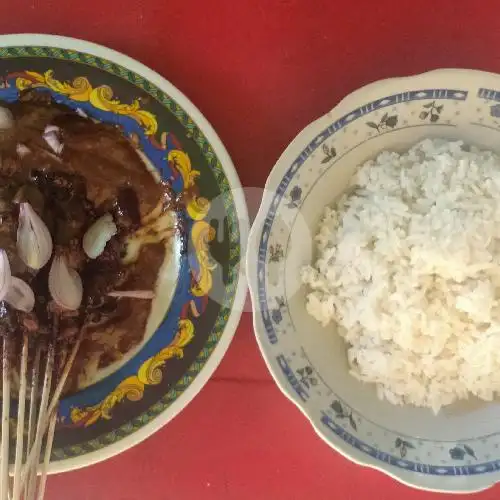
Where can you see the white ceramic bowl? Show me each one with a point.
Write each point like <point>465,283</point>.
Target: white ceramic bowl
<point>456,451</point>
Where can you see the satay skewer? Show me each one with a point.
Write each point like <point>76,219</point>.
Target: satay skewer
<point>16,493</point>
<point>33,396</point>
<point>49,410</point>
<point>4,444</point>
<point>30,475</point>
<point>48,451</point>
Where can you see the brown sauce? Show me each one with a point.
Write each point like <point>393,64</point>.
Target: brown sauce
<point>98,171</point>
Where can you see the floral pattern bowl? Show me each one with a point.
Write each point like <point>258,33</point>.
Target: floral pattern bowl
<point>455,451</point>
<point>201,288</point>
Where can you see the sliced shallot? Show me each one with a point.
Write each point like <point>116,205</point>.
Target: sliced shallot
<point>6,119</point>
<point>52,136</point>
<point>20,295</point>
<point>98,235</point>
<point>34,243</point>
<point>5,274</point>
<point>65,284</point>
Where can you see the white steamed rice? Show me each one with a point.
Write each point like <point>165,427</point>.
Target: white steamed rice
<point>408,269</point>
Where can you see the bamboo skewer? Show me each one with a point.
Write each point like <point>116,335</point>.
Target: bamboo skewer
<point>48,451</point>
<point>20,420</point>
<point>4,445</point>
<point>65,373</point>
<point>33,395</point>
<point>33,413</point>
<point>50,434</point>
<point>49,409</point>
<point>42,414</point>
<point>31,466</point>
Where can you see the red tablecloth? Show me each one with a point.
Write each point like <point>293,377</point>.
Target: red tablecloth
<point>260,70</point>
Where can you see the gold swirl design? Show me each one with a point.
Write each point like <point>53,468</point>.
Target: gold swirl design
<point>182,164</point>
<point>81,90</point>
<point>202,234</point>
<point>198,207</point>
<point>132,388</point>
<point>103,94</point>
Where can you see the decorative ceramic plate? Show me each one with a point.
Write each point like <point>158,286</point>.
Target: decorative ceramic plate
<point>201,291</point>
<point>458,450</point>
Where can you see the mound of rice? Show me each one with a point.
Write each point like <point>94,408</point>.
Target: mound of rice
<point>408,269</point>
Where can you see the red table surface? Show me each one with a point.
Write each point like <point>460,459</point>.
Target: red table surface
<point>259,71</point>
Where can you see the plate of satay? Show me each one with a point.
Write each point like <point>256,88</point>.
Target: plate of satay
<point>121,229</point>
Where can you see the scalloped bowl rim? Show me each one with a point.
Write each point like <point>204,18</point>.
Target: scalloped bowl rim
<point>367,93</point>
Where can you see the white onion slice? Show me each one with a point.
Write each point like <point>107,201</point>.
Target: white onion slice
<point>6,119</point>
<point>20,295</point>
<point>65,284</point>
<point>98,234</point>
<point>34,243</point>
<point>5,274</point>
<point>52,135</point>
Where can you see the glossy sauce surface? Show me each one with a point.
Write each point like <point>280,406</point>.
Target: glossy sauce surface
<point>98,171</point>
